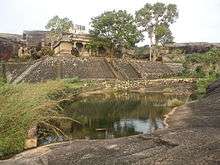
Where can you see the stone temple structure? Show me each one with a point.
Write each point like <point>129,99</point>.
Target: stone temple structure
<point>35,38</point>
<point>75,44</point>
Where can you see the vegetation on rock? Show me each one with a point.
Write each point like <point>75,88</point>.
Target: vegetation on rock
<point>175,103</point>
<point>205,66</point>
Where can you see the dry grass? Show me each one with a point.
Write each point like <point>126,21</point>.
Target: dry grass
<point>25,105</point>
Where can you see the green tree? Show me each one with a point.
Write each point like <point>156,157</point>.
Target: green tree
<point>163,35</point>
<point>58,25</point>
<point>155,19</point>
<point>113,31</point>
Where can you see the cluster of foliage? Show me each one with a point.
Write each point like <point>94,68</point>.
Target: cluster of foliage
<point>41,52</point>
<point>36,53</point>
<point>203,83</point>
<point>155,19</point>
<point>142,52</point>
<point>211,57</point>
<point>58,25</point>
<point>205,66</point>
<point>114,30</point>
<point>26,105</point>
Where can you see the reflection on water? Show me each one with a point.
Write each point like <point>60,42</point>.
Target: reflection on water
<point>115,115</point>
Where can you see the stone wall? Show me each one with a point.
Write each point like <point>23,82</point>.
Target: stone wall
<point>152,70</point>
<point>169,85</point>
<point>175,67</point>
<point>126,69</point>
<point>86,68</point>
<point>13,69</point>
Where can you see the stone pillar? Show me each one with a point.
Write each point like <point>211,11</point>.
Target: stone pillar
<point>85,53</point>
<point>74,44</point>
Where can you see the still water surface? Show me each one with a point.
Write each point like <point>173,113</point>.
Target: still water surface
<point>115,115</point>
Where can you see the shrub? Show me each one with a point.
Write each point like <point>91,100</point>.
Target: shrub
<point>174,103</point>
<point>203,83</point>
<point>207,64</point>
<point>199,72</point>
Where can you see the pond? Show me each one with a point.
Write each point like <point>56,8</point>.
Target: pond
<point>106,116</point>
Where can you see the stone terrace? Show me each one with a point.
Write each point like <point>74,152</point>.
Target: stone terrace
<point>86,68</point>
<point>152,70</point>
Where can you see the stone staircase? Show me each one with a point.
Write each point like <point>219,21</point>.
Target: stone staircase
<point>13,70</point>
<point>51,68</point>
<point>127,71</point>
<point>26,73</point>
<point>152,70</point>
<point>114,70</point>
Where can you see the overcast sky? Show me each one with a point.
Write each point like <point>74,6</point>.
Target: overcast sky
<point>199,20</point>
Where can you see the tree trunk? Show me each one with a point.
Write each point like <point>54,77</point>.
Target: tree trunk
<point>111,53</point>
<point>151,45</point>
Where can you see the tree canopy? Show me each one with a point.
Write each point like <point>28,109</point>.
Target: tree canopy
<point>114,30</point>
<point>163,34</point>
<point>58,25</point>
<point>155,19</point>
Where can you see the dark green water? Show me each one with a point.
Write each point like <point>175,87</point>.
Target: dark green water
<point>115,115</point>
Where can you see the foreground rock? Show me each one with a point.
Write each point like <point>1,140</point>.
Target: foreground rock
<point>193,137</point>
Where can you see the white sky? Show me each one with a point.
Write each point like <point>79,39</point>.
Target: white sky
<point>199,20</point>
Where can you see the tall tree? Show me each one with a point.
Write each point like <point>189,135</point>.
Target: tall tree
<point>114,30</point>
<point>155,19</point>
<point>163,35</point>
<point>58,25</point>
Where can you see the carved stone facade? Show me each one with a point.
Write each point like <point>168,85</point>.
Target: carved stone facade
<point>75,44</point>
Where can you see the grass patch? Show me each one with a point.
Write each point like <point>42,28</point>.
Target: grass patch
<point>26,105</point>
<point>2,82</point>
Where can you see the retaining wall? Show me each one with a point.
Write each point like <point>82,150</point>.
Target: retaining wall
<point>86,68</point>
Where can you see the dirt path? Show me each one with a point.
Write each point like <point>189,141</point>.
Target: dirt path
<point>193,137</point>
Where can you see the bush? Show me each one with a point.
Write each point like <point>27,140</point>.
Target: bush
<point>203,83</point>
<point>174,103</point>
<point>207,64</point>
<point>199,73</point>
